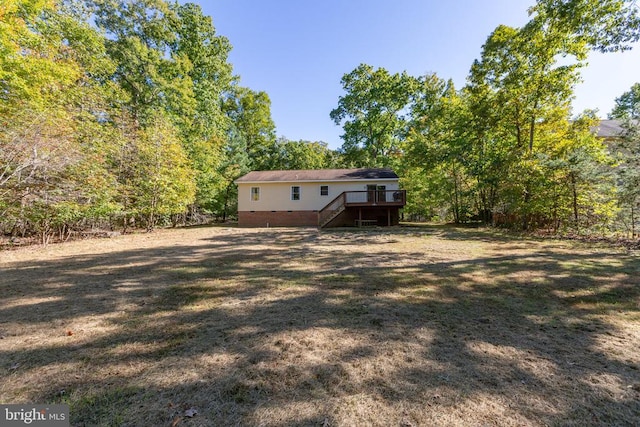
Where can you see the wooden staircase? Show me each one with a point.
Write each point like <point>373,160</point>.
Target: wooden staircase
<point>331,211</point>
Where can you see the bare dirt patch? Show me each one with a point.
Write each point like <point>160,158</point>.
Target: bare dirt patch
<point>403,326</point>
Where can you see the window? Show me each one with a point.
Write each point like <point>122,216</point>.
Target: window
<point>255,194</point>
<point>324,190</point>
<point>295,192</point>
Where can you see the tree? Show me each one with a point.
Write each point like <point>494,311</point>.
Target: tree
<point>52,177</point>
<point>250,114</point>
<point>113,109</point>
<point>520,86</point>
<point>304,155</point>
<point>579,189</point>
<point>235,163</point>
<point>211,77</point>
<point>628,174</point>
<point>626,150</point>
<point>155,179</point>
<point>209,70</point>
<point>627,105</point>
<point>434,152</point>
<point>373,114</point>
<point>171,62</point>
<point>140,38</point>
<point>605,25</point>
<point>164,179</point>
<point>33,66</point>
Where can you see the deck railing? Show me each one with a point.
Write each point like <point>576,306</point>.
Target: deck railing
<point>376,198</point>
<point>331,208</point>
<point>368,198</point>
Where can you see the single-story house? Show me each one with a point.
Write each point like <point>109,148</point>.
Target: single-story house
<point>321,198</point>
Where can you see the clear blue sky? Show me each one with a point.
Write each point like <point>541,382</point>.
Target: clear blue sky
<point>298,50</point>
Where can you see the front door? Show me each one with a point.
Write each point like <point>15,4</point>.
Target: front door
<point>382,193</point>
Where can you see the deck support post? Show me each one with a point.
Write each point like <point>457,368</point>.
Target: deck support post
<point>389,217</point>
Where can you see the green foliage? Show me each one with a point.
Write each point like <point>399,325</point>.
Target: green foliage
<point>234,164</point>
<point>435,151</point>
<point>210,75</point>
<point>164,181</point>
<point>53,177</point>
<point>627,105</point>
<point>113,110</point>
<point>140,39</point>
<point>170,60</point>
<point>519,99</point>
<point>373,114</point>
<point>32,66</point>
<point>605,25</point>
<point>626,151</point>
<point>303,155</point>
<point>209,70</point>
<point>250,113</point>
<point>504,149</point>
<point>120,112</point>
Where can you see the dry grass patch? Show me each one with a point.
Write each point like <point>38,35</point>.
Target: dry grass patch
<point>404,326</point>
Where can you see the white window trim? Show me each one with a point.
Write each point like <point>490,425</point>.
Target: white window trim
<point>299,193</point>
<point>251,194</point>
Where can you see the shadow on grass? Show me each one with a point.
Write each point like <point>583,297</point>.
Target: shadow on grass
<point>300,327</point>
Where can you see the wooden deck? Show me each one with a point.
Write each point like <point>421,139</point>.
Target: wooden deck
<point>375,198</point>
<point>359,203</point>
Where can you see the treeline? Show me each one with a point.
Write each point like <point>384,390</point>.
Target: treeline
<point>506,149</point>
<point>123,114</point>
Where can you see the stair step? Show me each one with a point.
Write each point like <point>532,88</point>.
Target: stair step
<point>333,216</point>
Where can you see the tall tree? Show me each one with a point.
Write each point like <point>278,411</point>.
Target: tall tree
<point>170,61</point>
<point>518,93</point>
<point>628,173</point>
<point>49,103</point>
<point>626,150</point>
<point>33,66</point>
<point>140,38</point>
<point>164,180</point>
<point>210,74</point>
<point>518,74</point>
<point>434,163</point>
<point>577,188</point>
<point>209,70</point>
<point>250,113</point>
<point>373,114</point>
<point>235,163</point>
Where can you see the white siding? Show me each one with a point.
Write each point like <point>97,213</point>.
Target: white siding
<point>276,196</point>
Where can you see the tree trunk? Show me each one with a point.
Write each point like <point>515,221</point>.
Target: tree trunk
<point>574,192</point>
<point>456,197</point>
<point>226,202</point>
<point>525,216</point>
<point>532,127</point>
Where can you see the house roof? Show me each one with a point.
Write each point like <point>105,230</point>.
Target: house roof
<point>609,129</point>
<point>319,175</point>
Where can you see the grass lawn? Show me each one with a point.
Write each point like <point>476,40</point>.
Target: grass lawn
<point>410,326</point>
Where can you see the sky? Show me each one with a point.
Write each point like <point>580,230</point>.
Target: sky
<point>298,50</point>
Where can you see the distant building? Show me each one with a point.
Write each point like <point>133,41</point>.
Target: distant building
<point>609,129</point>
